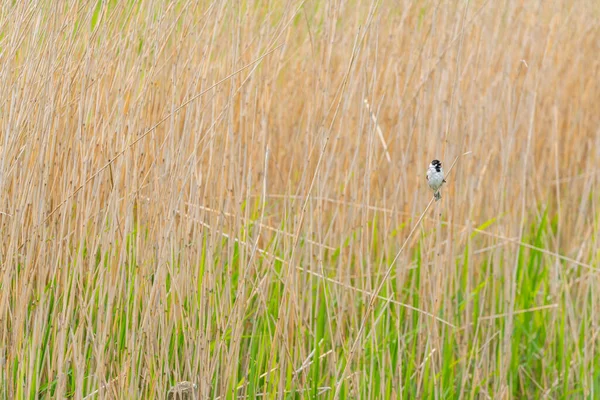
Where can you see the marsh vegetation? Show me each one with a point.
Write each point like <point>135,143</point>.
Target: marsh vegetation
<point>233,194</point>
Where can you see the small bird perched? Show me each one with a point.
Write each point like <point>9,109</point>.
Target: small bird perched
<point>435,178</point>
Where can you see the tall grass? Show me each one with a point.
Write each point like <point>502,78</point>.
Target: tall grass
<point>215,192</point>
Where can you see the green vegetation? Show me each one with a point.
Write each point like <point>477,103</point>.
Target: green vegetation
<point>230,198</point>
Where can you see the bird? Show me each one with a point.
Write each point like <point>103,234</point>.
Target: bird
<point>435,178</point>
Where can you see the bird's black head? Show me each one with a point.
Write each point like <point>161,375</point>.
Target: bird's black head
<point>437,165</point>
